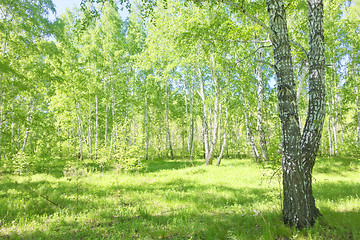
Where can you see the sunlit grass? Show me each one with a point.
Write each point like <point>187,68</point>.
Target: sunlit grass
<point>170,199</point>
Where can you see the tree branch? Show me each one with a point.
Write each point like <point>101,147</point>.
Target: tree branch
<point>301,47</point>
<point>265,62</point>
<point>254,19</point>
<point>230,40</point>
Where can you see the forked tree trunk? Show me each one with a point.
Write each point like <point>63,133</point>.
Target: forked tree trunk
<point>299,151</point>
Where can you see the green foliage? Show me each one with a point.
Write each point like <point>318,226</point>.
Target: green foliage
<point>21,163</point>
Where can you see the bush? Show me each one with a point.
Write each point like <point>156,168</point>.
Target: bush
<point>21,163</point>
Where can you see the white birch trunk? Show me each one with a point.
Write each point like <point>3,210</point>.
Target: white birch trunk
<point>96,126</point>
<point>224,138</point>
<point>357,115</point>
<point>260,92</point>
<point>204,116</point>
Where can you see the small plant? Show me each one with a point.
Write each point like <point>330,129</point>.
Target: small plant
<point>21,163</point>
<point>75,172</point>
<point>129,164</point>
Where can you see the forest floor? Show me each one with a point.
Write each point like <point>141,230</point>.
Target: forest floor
<point>173,200</point>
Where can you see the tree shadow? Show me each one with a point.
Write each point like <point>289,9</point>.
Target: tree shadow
<point>177,223</point>
<point>336,191</point>
<point>337,165</point>
<point>160,165</point>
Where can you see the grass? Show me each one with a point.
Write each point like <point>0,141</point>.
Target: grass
<point>171,200</point>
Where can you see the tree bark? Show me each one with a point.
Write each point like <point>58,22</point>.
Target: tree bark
<point>311,137</point>
<point>299,152</point>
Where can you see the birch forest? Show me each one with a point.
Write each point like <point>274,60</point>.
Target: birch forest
<point>122,87</point>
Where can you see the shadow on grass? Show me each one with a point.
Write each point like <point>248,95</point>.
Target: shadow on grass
<point>336,191</point>
<point>337,165</point>
<point>203,212</point>
<point>159,165</point>
<point>175,225</point>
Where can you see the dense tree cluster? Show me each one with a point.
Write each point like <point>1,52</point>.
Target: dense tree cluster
<point>191,79</point>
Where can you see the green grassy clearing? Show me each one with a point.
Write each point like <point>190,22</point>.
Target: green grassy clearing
<point>171,200</point>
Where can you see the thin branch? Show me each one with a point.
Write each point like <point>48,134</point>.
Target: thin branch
<point>251,54</point>
<point>273,175</point>
<point>40,195</point>
<point>231,40</point>
<point>302,48</point>
<point>265,62</point>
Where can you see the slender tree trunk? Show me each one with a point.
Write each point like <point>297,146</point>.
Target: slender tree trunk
<point>96,126</point>
<point>204,117</point>
<point>357,115</point>
<point>60,143</point>
<point>146,129</point>
<point>331,149</point>
<point>215,126</point>
<point>189,124</point>
<point>80,154</point>
<point>249,133</point>
<point>28,123</point>
<point>106,124</point>
<point>159,139</point>
<point>2,150</point>
<point>260,92</point>
<point>89,127</point>
<point>224,140</point>
<point>112,137</point>
<point>168,133</point>
<point>334,123</point>
<point>340,122</point>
